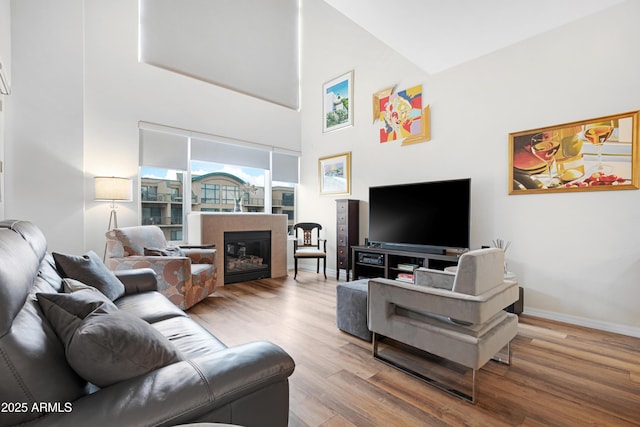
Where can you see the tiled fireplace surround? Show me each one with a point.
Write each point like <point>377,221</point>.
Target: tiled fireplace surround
<point>209,227</point>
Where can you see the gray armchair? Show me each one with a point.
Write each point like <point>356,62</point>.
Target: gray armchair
<point>455,315</point>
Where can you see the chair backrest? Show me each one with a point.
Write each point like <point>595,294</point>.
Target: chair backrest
<point>135,239</point>
<point>479,270</point>
<point>307,233</point>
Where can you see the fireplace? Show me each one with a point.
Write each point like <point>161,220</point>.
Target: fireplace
<point>247,255</point>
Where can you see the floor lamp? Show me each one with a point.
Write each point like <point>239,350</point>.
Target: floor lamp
<point>112,189</point>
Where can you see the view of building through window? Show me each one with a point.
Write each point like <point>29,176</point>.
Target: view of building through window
<point>213,188</point>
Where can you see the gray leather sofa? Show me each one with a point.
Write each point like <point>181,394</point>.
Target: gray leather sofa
<point>202,381</point>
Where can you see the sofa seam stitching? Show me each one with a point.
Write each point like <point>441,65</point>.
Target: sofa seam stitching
<point>18,379</point>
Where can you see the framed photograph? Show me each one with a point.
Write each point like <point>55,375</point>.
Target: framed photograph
<point>335,174</point>
<point>589,155</point>
<point>337,111</point>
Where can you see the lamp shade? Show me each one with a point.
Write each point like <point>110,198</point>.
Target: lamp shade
<point>113,188</point>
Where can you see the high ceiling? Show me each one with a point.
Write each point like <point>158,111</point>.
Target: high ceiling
<point>440,34</point>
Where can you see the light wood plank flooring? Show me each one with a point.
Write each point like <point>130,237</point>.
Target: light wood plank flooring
<point>561,375</point>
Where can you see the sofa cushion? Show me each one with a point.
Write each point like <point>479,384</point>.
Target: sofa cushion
<point>90,269</point>
<point>191,339</point>
<point>149,306</point>
<point>105,345</point>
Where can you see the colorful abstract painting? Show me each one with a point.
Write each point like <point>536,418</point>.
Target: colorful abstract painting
<point>401,114</point>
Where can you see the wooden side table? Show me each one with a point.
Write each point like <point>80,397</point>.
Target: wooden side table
<point>348,230</point>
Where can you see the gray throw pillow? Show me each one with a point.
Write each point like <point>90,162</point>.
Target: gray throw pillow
<point>105,345</point>
<point>72,285</point>
<point>90,269</point>
<point>66,311</point>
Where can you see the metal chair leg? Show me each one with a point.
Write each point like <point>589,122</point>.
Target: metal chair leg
<point>469,398</point>
<point>501,357</point>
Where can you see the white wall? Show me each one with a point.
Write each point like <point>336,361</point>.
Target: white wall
<point>120,91</point>
<point>44,143</point>
<point>576,254</point>
<point>79,93</point>
<point>5,58</point>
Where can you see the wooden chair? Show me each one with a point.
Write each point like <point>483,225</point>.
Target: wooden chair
<point>309,246</point>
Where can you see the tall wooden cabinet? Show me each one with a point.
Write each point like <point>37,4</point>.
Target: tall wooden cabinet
<point>348,232</point>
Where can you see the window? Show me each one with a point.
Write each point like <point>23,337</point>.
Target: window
<point>221,185</point>
<point>151,215</point>
<point>287,199</point>
<point>176,215</point>
<point>220,173</point>
<point>210,193</point>
<point>161,200</point>
<point>149,193</point>
<point>174,193</point>
<point>230,194</point>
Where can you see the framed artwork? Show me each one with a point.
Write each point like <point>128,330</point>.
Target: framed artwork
<point>401,115</point>
<point>424,134</point>
<point>337,111</point>
<point>589,155</point>
<point>335,174</point>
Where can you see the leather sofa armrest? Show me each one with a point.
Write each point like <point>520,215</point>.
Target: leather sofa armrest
<point>182,392</point>
<point>137,280</point>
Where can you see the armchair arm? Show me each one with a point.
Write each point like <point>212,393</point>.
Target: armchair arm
<point>473,309</point>
<point>137,280</point>
<point>205,246</point>
<point>200,255</point>
<point>188,391</point>
<point>179,268</point>
<point>434,278</point>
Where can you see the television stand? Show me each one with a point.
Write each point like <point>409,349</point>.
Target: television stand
<point>394,264</point>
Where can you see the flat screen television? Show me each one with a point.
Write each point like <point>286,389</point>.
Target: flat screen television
<point>428,217</point>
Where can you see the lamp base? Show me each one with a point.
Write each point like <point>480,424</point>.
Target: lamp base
<point>113,219</point>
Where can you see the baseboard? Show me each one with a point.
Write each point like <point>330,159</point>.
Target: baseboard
<point>581,321</point>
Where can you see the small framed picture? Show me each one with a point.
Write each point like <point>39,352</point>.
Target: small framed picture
<point>337,111</point>
<point>335,174</point>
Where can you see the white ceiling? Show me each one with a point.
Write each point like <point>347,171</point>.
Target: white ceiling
<point>440,34</point>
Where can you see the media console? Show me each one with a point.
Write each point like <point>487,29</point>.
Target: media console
<point>369,262</point>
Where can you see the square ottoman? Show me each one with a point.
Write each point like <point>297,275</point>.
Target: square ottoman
<point>351,308</point>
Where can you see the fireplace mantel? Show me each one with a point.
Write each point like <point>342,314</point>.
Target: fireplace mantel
<point>209,227</point>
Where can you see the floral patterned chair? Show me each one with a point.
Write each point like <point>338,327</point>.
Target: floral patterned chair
<point>186,275</point>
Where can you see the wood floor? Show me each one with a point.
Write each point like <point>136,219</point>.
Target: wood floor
<point>561,375</point>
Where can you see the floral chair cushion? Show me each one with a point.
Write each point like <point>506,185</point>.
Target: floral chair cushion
<point>135,239</point>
